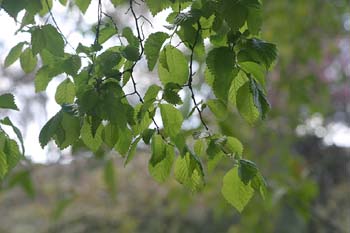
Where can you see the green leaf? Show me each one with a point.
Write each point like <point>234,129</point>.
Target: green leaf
<point>172,66</point>
<point>132,151</point>
<point>160,170</point>
<point>220,62</point>
<point>258,51</point>
<point>258,183</point>
<point>247,170</point>
<point>47,4</point>
<point>71,65</point>
<point>44,75</point>
<point>47,37</point>
<point>65,92</point>
<point>147,135</point>
<point>63,2</point>
<point>219,108</point>
<point>117,2</point>
<point>171,95</point>
<point>153,45</point>
<point>215,154</point>
<point>254,20</point>
<point>110,135</point>
<point>235,13</point>
<point>188,171</point>
<point>107,32</point>
<point>124,141</point>
<point>3,164</point>
<point>237,82</point>
<point>109,176</point>
<point>235,191</point>
<point>13,7</point>
<point>233,146</point>
<point>256,70</point>
<point>245,104</point>
<point>83,5</point>
<point>70,125</point>
<point>131,53</point>
<point>28,61</point>
<point>7,121</point>
<point>260,100</point>
<point>172,119</point>
<point>156,6</point>
<point>50,128</point>
<point>8,101</point>
<point>92,142</point>
<point>14,54</point>
<point>130,37</point>
<point>152,93</point>
<point>13,155</point>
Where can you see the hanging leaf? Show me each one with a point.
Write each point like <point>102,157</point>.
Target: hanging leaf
<point>14,54</point>
<point>235,191</point>
<point>172,66</point>
<point>172,119</point>
<point>8,101</point>
<point>65,92</point>
<point>28,61</point>
<point>47,37</point>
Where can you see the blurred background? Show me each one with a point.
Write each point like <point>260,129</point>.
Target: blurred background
<point>302,149</point>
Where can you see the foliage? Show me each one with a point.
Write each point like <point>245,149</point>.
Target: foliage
<point>96,111</point>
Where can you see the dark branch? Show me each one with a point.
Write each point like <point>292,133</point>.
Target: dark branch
<point>190,78</point>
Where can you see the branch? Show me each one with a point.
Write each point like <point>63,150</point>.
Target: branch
<point>190,78</point>
<point>56,25</point>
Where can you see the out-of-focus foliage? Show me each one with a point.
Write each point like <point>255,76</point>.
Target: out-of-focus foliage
<point>95,93</point>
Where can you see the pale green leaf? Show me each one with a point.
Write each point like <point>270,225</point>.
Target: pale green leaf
<point>7,121</point>
<point>13,155</point>
<point>124,141</point>
<point>160,170</point>
<point>245,104</point>
<point>220,62</point>
<point>188,171</point>
<point>28,61</point>
<point>3,164</point>
<point>235,191</point>
<point>109,176</point>
<point>156,6</point>
<point>132,151</point>
<point>8,101</point>
<point>172,119</point>
<point>65,92</point>
<point>237,82</point>
<point>92,142</point>
<point>153,45</point>
<point>254,20</point>
<point>256,70</point>
<point>172,66</point>
<point>83,5</point>
<point>14,54</point>
<point>219,108</point>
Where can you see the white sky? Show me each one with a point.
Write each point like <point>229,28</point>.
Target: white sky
<point>336,133</point>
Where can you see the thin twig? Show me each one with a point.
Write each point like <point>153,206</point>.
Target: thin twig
<point>56,25</point>
<point>191,74</point>
<point>131,69</point>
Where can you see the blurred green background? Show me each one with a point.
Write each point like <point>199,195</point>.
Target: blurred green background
<point>301,149</point>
